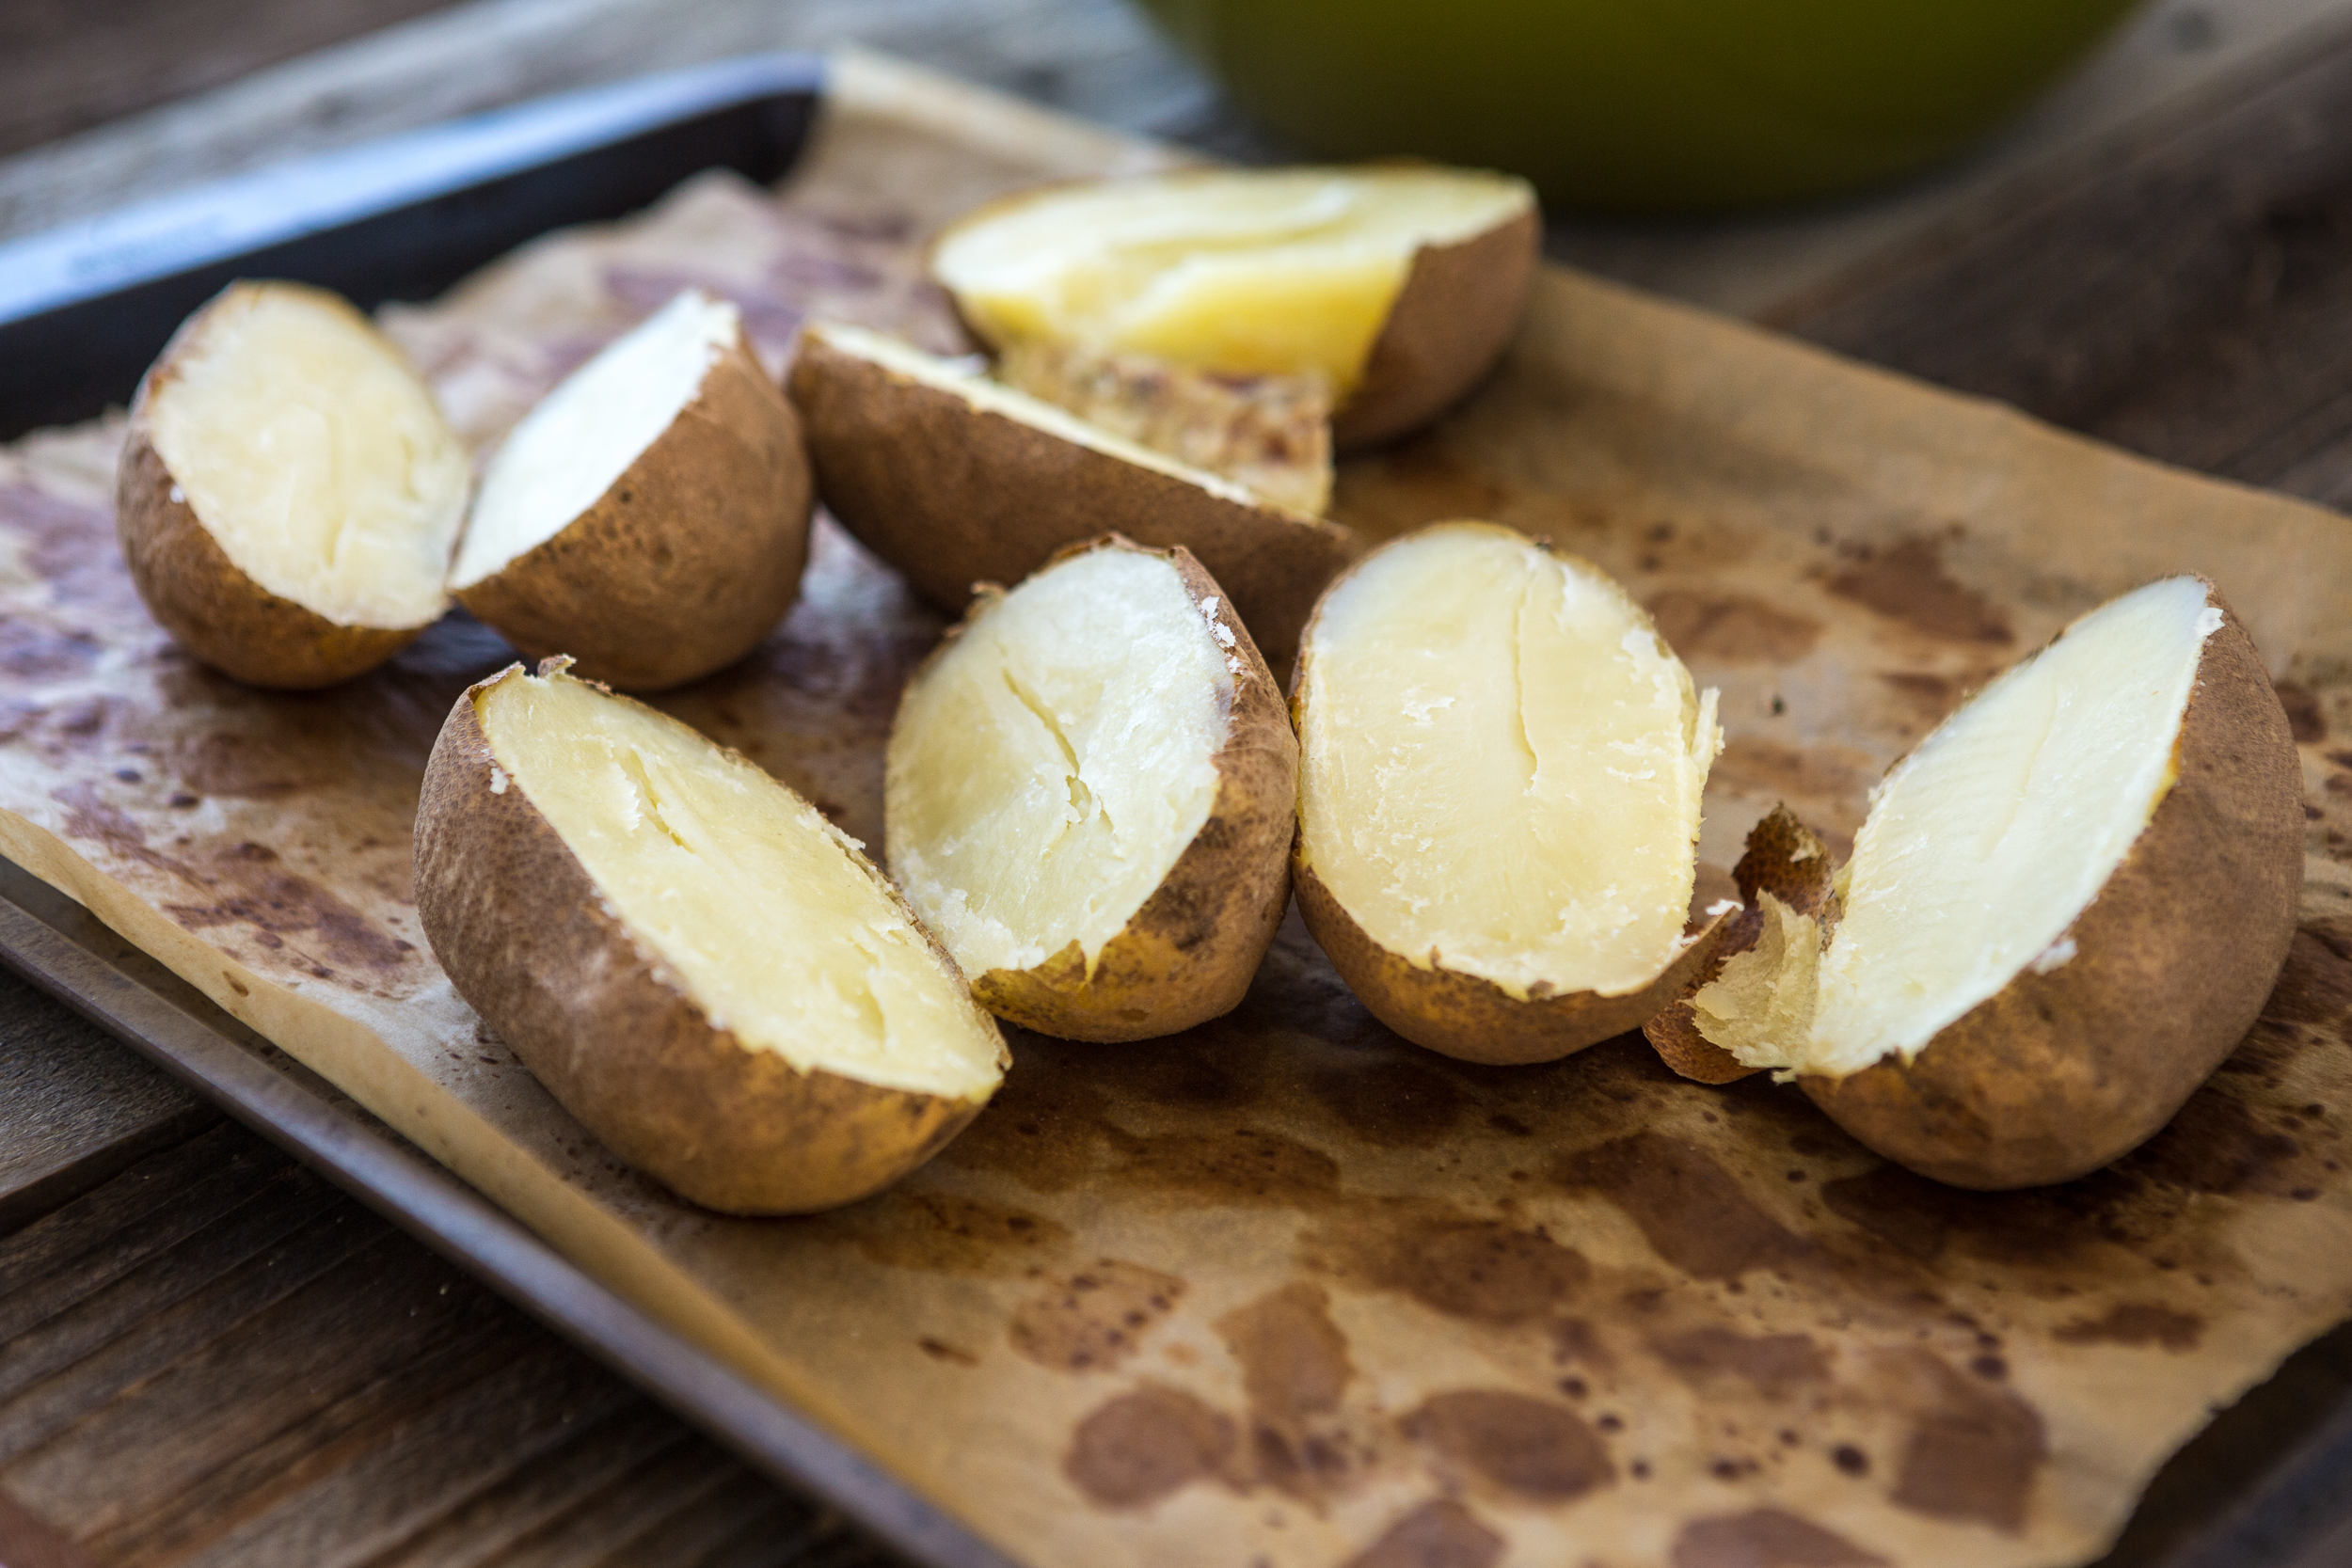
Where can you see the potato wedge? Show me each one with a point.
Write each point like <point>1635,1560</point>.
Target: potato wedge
<point>650,517</point>
<point>690,958</point>
<point>956,480</point>
<point>1397,285</point>
<point>1088,797</point>
<point>287,491</point>
<point>2066,907</point>
<point>1500,770</point>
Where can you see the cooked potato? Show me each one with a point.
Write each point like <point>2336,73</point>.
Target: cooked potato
<point>287,491</point>
<point>1500,770</point>
<point>956,480</point>
<point>1397,285</point>
<point>649,518</point>
<point>1088,797</point>
<point>699,966</point>
<point>2066,907</point>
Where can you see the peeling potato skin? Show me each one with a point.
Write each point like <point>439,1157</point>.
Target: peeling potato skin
<point>1459,308</point>
<point>1188,955</point>
<point>2038,1082</point>
<point>951,497</point>
<point>1474,1020</point>
<point>1783,858</point>
<point>198,596</point>
<point>519,925</point>
<point>687,561</point>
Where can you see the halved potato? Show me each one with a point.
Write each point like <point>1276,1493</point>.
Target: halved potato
<point>287,491</point>
<point>2066,907</point>
<point>1088,797</point>
<point>650,517</point>
<point>956,480</point>
<point>699,966</point>
<point>1397,285</point>
<point>1500,770</point>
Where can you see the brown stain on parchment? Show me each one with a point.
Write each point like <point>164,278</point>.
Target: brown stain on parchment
<point>2217,1145</point>
<point>2315,986</point>
<point>2135,1324</point>
<point>1755,766</point>
<point>1093,1319</point>
<point>1439,1533</point>
<point>244,767</point>
<point>1975,1449</point>
<point>1295,1369</point>
<point>71,545</point>
<point>1765,1538</point>
<point>2307,720</point>
<point>1526,1449</point>
<point>1906,582</point>
<point>1478,1270</point>
<point>1773,1363</point>
<point>918,1228</point>
<point>1140,1447</point>
<point>1394,1102</point>
<point>1689,1208</point>
<point>1734,628</point>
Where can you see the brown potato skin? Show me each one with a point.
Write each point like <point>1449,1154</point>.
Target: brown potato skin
<point>1188,955</point>
<point>198,596</point>
<point>1471,1018</point>
<point>1459,308</point>
<point>687,561</point>
<point>519,928</point>
<point>2058,1074</point>
<point>952,495</point>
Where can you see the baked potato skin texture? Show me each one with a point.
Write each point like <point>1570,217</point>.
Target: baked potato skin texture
<point>952,495</point>
<point>1188,955</point>
<point>1459,308</point>
<point>2060,1073</point>
<point>1471,1018</point>
<point>687,561</point>
<point>519,928</point>
<point>209,606</point>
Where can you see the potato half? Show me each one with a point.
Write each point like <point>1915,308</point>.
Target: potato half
<point>699,966</point>
<point>956,480</point>
<point>1397,285</point>
<point>287,491</point>
<point>1500,770</point>
<point>2066,907</point>
<point>650,517</point>
<point>1088,797</point>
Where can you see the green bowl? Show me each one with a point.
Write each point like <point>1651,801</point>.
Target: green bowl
<point>1641,105</point>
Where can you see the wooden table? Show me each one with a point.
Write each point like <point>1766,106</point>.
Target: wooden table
<point>208,1355</point>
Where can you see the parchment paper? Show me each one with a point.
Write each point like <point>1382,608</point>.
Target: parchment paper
<point>1286,1291</point>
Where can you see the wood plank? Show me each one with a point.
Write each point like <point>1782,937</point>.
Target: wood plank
<point>2192,301</point>
<point>58,74</point>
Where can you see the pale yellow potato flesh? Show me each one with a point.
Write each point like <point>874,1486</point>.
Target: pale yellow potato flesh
<point>757,908</point>
<point>1045,772</point>
<point>1981,847</point>
<point>1500,765</point>
<point>569,451</point>
<point>1250,270</point>
<point>314,455</point>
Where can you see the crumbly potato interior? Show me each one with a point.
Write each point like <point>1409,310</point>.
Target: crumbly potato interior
<point>1047,771</point>
<point>1271,433</point>
<point>314,455</point>
<point>1248,270</point>
<point>968,380</point>
<point>1981,847</point>
<point>581,437</point>
<point>762,912</point>
<point>1500,764</point>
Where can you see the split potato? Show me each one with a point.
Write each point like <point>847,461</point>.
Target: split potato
<point>1395,286</point>
<point>690,958</point>
<point>2067,905</point>
<point>288,491</point>
<point>1501,763</point>
<point>649,519</point>
<point>1088,794</point>
<point>955,480</point>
